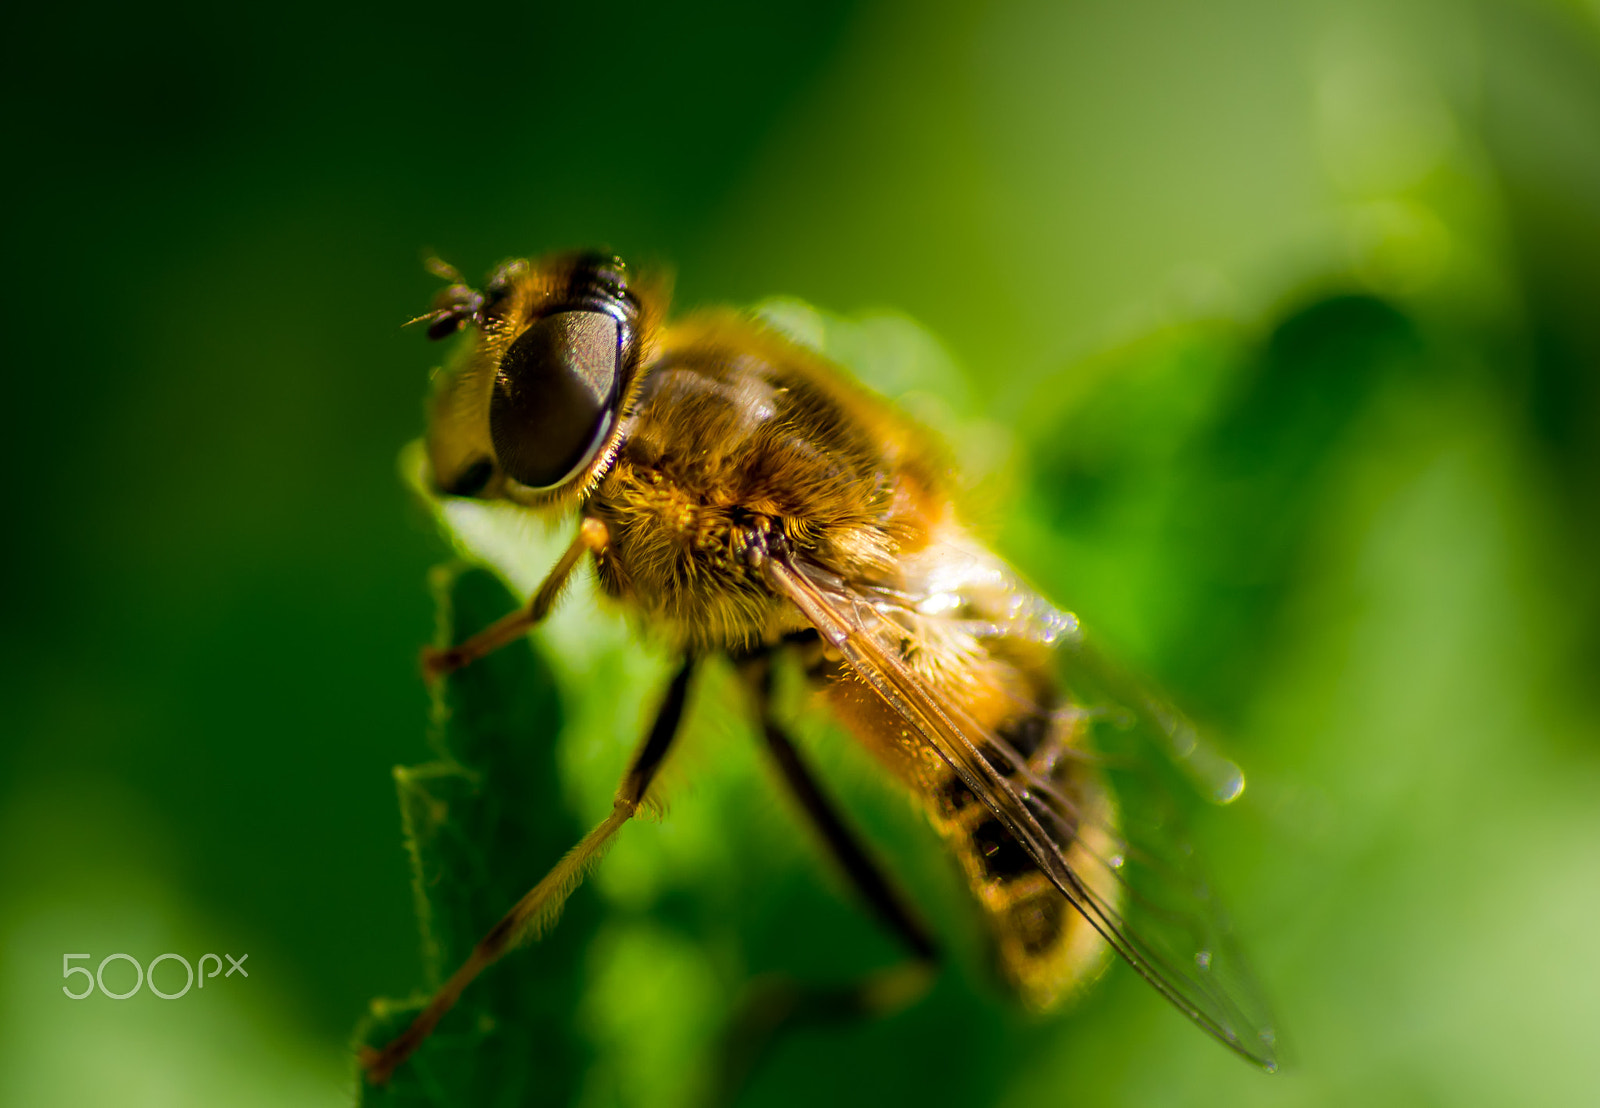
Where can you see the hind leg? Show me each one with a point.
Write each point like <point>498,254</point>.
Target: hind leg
<point>780,1003</point>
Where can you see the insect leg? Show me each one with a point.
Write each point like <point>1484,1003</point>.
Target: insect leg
<point>592,537</point>
<point>540,907</point>
<point>847,850</point>
<point>779,1002</point>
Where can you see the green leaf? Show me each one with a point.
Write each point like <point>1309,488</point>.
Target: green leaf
<point>475,849</point>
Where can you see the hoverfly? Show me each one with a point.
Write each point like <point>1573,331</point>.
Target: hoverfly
<point>742,497</point>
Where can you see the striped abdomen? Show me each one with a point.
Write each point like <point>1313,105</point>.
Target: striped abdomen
<point>1042,945</point>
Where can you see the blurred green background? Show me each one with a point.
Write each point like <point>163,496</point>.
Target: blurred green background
<point>1276,341</point>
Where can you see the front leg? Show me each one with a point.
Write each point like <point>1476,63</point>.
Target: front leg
<point>538,910</point>
<point>593,537</point>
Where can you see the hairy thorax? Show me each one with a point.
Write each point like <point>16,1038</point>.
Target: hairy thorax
<point>733,441</point>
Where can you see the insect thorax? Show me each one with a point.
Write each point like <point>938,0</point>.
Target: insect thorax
<point>738,433</point>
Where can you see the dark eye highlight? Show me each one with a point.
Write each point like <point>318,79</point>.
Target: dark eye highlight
<point>471,481</point>
<point>553,396</point>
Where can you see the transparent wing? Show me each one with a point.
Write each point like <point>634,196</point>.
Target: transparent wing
<point>1166,923</point>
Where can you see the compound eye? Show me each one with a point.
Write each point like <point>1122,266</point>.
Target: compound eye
<point>554,396</point>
